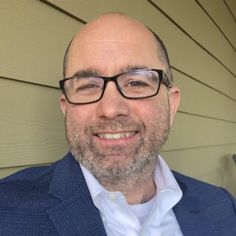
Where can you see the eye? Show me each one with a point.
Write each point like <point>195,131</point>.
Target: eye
<point>87,86</point>
<point>136,83</point>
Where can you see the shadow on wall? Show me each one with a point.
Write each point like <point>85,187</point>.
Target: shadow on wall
<point>229,167</point>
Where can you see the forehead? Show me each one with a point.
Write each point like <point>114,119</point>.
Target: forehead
<point>111,44</point>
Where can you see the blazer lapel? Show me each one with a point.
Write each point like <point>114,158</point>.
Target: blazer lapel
<point>74,213</point>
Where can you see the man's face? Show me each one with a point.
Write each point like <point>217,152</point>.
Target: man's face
<point>117,139</point>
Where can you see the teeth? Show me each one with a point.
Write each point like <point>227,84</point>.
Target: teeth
<point>116,136</point>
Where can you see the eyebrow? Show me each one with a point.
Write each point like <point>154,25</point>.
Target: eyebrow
<point>86,72</point>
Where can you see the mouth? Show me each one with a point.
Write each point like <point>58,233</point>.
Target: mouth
<point>116,136</point>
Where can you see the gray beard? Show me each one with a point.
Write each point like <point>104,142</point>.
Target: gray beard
<point>137,162</point>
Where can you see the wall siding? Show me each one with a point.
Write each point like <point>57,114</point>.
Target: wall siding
<point>201,39</point>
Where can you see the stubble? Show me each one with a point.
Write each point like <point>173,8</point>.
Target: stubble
<point>119,166</point>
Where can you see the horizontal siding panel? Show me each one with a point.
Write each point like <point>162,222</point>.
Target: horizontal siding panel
<point>33,41</point>
<point>201,28</point>
<point>181,48</point>
<point>232,6</point>
<point>191,59</point>
<point>193,131</point>
<point>202,159</point>
<point>198,99</point>
<point>222,16</point>
<point>212,164</point>
<point>31,124</point>
<point>89,9</point>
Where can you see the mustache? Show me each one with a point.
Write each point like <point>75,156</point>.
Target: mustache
<point>119,123</point>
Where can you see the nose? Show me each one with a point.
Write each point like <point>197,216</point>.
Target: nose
<point>112,104</point>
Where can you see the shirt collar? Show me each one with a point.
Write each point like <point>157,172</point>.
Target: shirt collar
<point>168,191</point>
<point>164,177</point>
<point>95,188</point>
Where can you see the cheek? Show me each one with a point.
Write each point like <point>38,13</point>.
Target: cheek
<point>79,114</point>
<point>77,120</point>
<point>151,111</point>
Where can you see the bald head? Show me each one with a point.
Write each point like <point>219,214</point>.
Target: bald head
<point>108,33</point>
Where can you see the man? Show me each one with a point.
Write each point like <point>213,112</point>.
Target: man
<point>119,102</point>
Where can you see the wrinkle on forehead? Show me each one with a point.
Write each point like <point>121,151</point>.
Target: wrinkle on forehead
<point>89,71</point>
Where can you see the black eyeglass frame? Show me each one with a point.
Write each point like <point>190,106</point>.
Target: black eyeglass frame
<point>161,73</point>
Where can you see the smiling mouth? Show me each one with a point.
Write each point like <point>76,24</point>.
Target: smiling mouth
<point>115,136</point>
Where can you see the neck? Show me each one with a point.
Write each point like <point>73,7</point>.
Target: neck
<point>142,193</point>
<point>136,193</point>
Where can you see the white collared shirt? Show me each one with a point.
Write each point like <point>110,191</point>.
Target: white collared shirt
<point>154,218</point>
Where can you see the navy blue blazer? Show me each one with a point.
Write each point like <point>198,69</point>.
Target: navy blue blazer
<point>55,200</point>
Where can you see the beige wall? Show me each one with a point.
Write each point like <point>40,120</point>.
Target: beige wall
<point>201,40</point>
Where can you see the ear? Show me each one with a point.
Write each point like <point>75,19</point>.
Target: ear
<point>63,104</point>
<point>174,100</point>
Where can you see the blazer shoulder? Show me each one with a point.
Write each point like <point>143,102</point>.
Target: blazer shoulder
<point>207,205</point>
<point>25,185</point>
<point>208,193</point>
<point>27,175</point>
<point>187,182</point>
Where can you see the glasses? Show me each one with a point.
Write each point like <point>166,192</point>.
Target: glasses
<point>135,84</point>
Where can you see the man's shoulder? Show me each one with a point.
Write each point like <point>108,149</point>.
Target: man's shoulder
<point>27,176</point>
<point>208,193</point>
<point>206,208</point>
<point>31,184</point>
<point>25,198</point>
<point>193,184</point>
